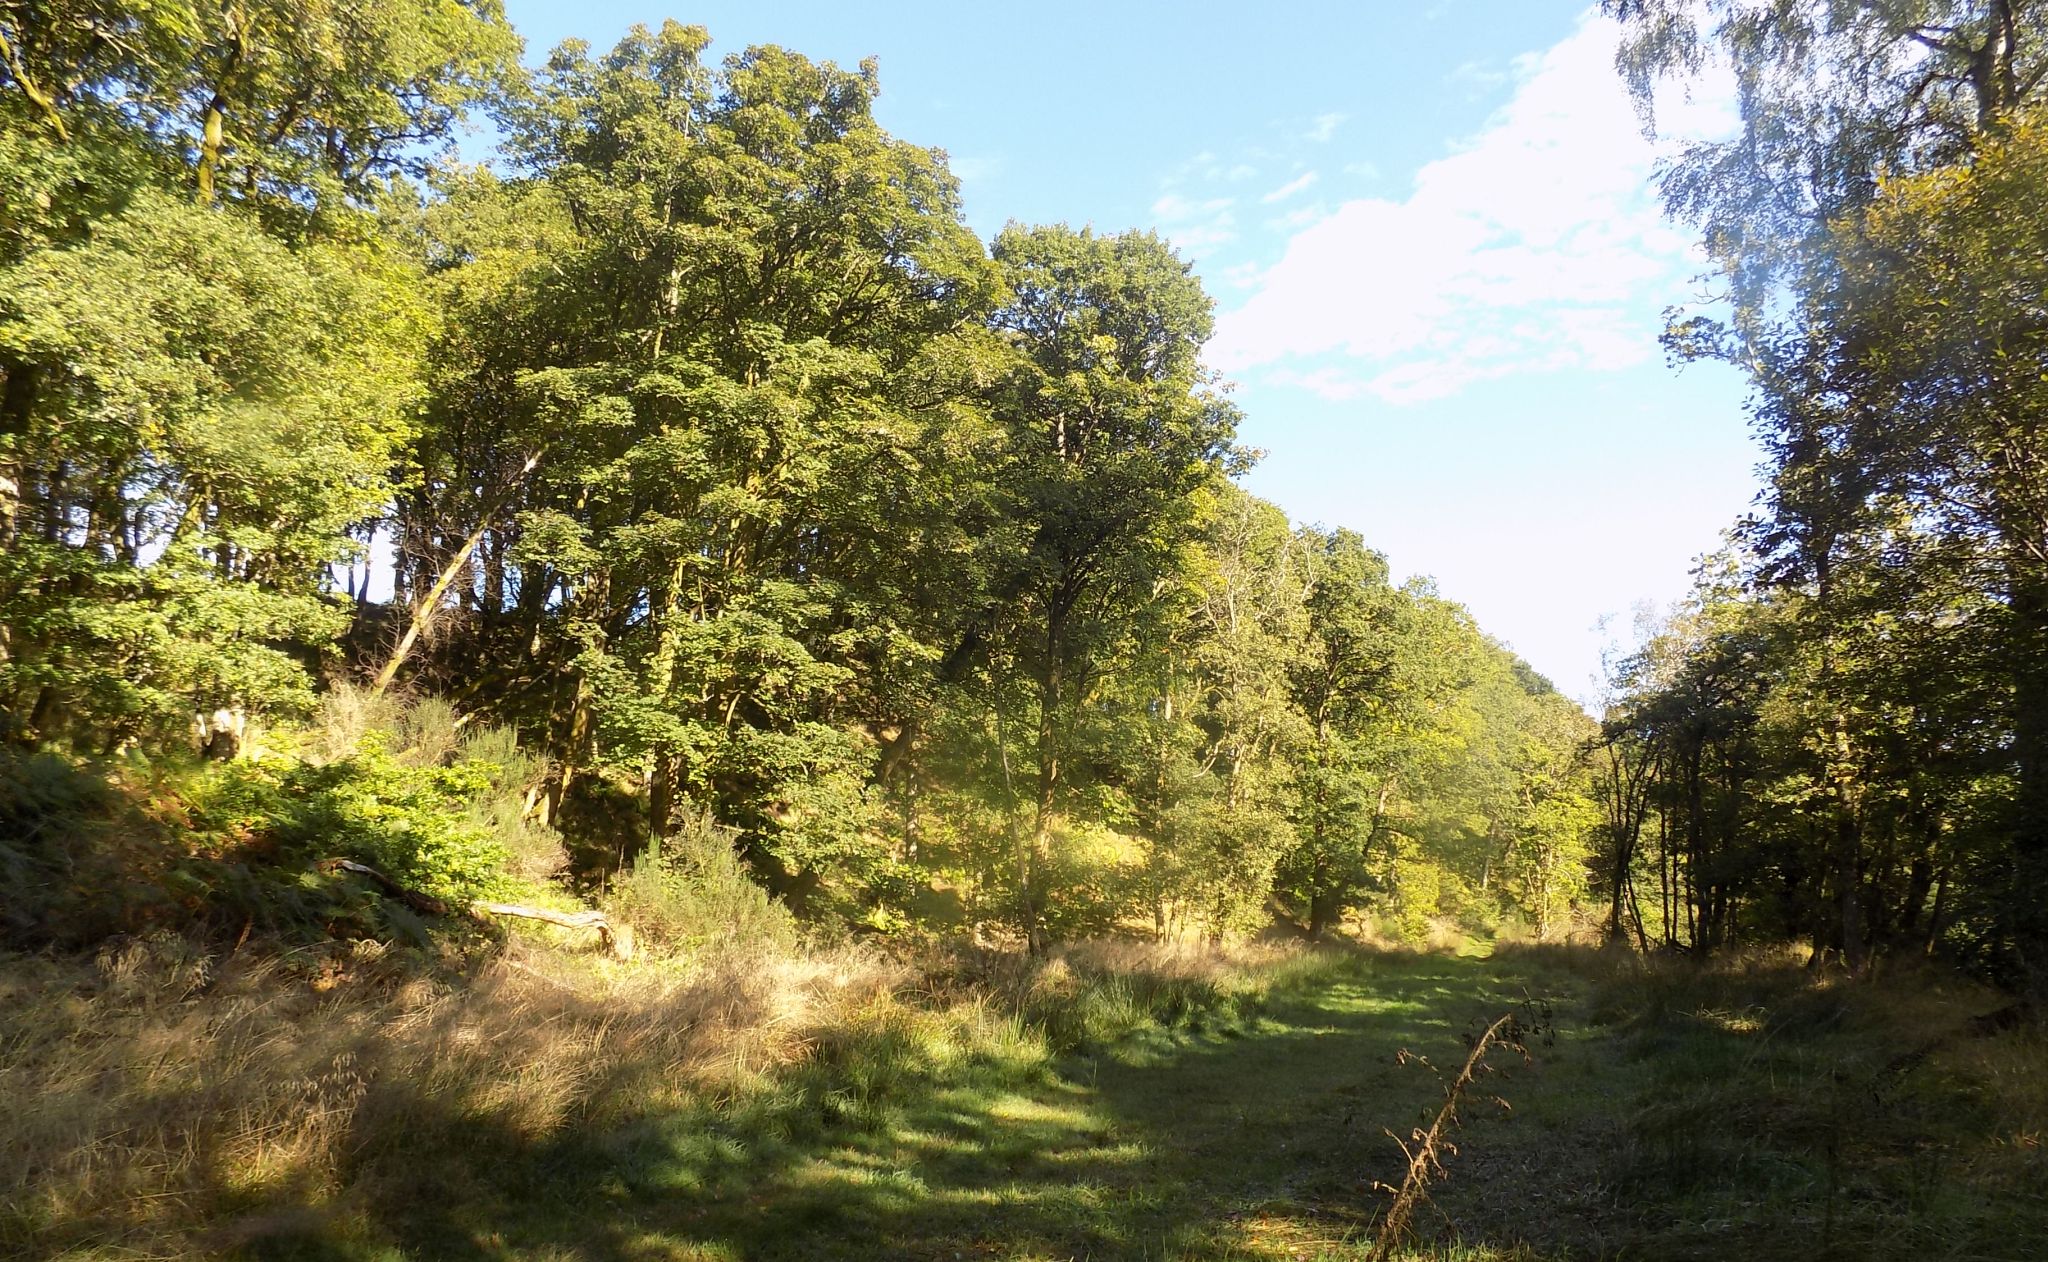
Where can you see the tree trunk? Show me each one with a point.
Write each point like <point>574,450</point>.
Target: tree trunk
<point>1920,870</point>
<point>35,93</point>
<point>1032,864</point>
<point>1322,898</point>
<point>17,410</point>
<point>213,126</point>
<point>212,140</point>
<point>1849,893</point>
<point>2029,896</point>
<point>661,794</point>
<point>1846,851</point>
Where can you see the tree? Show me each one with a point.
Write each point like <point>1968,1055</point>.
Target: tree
<point>1874,203</point>
<point>272,101</point>
<point>197,408</point>
<point>1833,95</point>
<point>1341,683</point>
<point>747,344</point>
<point>212,411</point>
<point>1929,342</point>
<point>1219,719</point>
<point>1113,429</point>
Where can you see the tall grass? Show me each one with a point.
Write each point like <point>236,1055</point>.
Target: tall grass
<point>690,894</point>
<point>164,1101</point>
<point>1750,1104</point>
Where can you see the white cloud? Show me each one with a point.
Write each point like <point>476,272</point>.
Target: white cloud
<point>1323,127</point>
<point>1241,275</point>
<point>1196,226</point>
<point>1299,217</point>
<point>1290,188</point>
<point>1208,167</point>
<point>1478,75</point>
<point>1172,207</point>
<point>1537,245</point>
<point>1195,240</point>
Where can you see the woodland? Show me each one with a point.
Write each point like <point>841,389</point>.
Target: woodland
<point>679,524</point>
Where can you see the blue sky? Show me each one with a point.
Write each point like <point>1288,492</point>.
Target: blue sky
<point>1438,264</point>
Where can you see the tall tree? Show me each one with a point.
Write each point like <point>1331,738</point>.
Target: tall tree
<point>1930,340</point>
<point>1342,682</point>
<point>1832,95</point>
<point>195,407</point>
<point>746,361</point>
<point>1113,428</point>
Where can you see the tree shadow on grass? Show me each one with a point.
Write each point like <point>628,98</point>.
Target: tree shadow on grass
<point>1245,1139</point>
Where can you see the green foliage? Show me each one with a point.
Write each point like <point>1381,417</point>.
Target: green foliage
<point>203,400</point>
<point>428,825</point>
<point>280,104</point>
<point>128,846</point>
<point>56,822</point>
<point>203,412</point>
<point>1855,748</point>
<point>715,456</point>
<point>689,893</point>
<point>1833,99</point>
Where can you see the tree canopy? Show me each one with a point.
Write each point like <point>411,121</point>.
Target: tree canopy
<point>709,456</point>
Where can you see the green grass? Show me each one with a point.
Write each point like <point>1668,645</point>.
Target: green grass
<point>1225,1134</point>
<point>1744,1112</point>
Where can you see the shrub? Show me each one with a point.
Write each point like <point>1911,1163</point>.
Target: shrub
<point>504,808</point>
<point>411,823</point>
<point>400,787</point>
<point>690,894</point>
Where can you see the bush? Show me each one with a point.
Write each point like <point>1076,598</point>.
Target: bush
<point>91,849</point>
<point>411,823</point>
<point>399,787</point>
<point>690,894</point>
<point>503,810</point>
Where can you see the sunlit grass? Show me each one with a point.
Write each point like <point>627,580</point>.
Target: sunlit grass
<point>1115,1104</point>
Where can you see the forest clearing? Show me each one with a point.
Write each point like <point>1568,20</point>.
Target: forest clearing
<point>591,669</point>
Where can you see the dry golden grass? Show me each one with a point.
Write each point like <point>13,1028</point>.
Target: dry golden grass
<point>157,1102</point>
<point>146,1093</point>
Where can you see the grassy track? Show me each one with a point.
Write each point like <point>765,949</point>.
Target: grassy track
<point>1667,1120</point>
<point>1258,1136</point>
<point>1175,1144</point>
<point>1742,1111</point>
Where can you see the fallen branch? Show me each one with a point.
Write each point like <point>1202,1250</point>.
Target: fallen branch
<point>617,939</point>
<point>412,898</point>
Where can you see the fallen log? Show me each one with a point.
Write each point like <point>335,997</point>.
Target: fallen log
<point>617,939</point>
<point>412,898</point>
